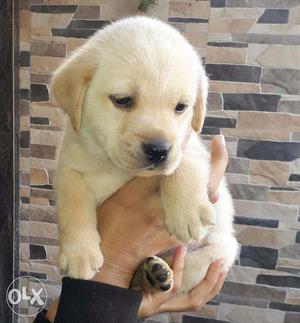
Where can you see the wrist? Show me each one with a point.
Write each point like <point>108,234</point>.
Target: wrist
<point>114,274</point>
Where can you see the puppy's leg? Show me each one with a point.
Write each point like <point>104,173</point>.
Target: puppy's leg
<point>184,195</point>
<point>80,253</point>
<point>154,275</point>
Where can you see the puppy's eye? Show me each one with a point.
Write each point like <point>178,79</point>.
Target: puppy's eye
<point>180,108</point>
<point>125,102</point>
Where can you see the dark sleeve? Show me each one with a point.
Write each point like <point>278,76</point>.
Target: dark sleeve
<point>86,301</point>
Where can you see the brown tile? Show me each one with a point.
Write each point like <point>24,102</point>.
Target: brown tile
<point>24,78</point>
<point>193,9</point>
<point>53,49</point>
<point>45,137</point>
<point>39,201</point>
<point>114,9</point>
<point>87,12</point>
<point>47,20</point>
<point>39,176</point>
<point>24,17</point>
<point>42,229</point>
<point>221,25</point>
<point>284,197</point>
<point>45,64</point>
<point>43,193</point>
<point>226,55</point>
<point>24,107</point>
<point>43,151</point>
<point>25,179</point>
<point>40,78</point>
<point>233,87</point>
<point>269,172</point>
<point>74,43</point>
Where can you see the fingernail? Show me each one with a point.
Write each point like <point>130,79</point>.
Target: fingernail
<point>222,140</point>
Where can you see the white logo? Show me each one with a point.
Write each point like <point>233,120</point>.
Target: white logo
<point>26,293</point>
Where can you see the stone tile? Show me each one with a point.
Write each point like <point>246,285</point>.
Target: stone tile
<point>45,65</point>
<point>24,59</point>
<point>289,107</point>
<point>231,55</point>
<point>44,230</point>
<point>248,192</point>
<point>269,172</point>
<point>39,92</point>
<point>87,24</point>
<point>39,121</point>
<point>291,251</point>
<point>52,272</point>
<point>291,317</point>
<point>54,49</point>
<point>234,313</point>
<point>265,237</point>
<point>233,73</point>
<point>218,3</point>
<point>266,39</point>
<point>228,44</point>
<point>196,34</point>
<point>262,3</point>
<point>241,300</point>
<point>43,151</point>
<point>245,275</point>
<point>24,78</point>
<point>59,9</point>
<point>286,214</point>
<point>277,280</point>
<point>37,252</point>
<point>256,222</point>
<point>214,102</point>
<point>87,12</point>
<point>194,9</point>
<point>74,43</point>
<point>220,122</point>
<point>282,80</point>
<point>187,20</point>
<point>191,319</point>
<point>285,307</point>
<point>253,291</point>
<point>258,257</point>
<point>286,197</point>
<point>238,166</point>
<point>74,33</point>
<point>42,20</point>
<point>46,137</point>
<point>268,150</point>
<point>280,56</point>
<point>233,87</point>
<point>274,16</point>
<point>295,15</point>
<point>237,13</point>
<point>43,163</point>
<point>219,25</point>
<point>114,9</point>
<point>39,176</point>
<point>250,101</point>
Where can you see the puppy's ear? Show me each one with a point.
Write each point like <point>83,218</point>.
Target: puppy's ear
<point>70,82</point>
<point>200,105</point>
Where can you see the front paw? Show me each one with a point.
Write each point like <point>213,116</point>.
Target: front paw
<point>80,257</point>
<point>188,222</point>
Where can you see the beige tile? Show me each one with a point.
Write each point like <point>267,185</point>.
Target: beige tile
<point>224,25</point>
<point>284,197</point>
<point>74,43</point>
<point>226,55</point>
<point>47,20</point>
<point>39,201</point>
<point>43,163</point>
<point>233,87</point>
<point>254,50</point>
<point>42,229</point>
<point>24,78</point>
<point>24,17</point>
<point>294,17</point>
<point>41,64</point>
<point>280,56</point>
<point>268,134</point>
<point>273,238</point>
<point>277,29</point>
<point>269,172</point>
<point>115,9</point>
<point>39,176</point>
<point>236,13</point>
<point>198,9</point>
<point>45,137</point>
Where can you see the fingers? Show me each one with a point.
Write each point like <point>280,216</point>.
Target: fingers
<point>219,161</point>
<point>200,295</point>
<point>152,301</point>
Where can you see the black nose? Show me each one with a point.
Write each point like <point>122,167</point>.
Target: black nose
<point>156,151</point>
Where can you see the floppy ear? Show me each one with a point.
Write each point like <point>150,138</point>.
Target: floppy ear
<point>200,105</point>
<point>70,82</point>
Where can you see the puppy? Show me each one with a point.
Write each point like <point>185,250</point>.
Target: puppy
<point>133,93</point>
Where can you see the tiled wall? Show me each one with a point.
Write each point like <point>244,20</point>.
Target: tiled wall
<point>252,54</point>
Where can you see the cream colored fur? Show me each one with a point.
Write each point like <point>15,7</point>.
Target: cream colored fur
<point>101,150</point>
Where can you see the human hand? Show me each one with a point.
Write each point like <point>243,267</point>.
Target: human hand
<point>131,229</point>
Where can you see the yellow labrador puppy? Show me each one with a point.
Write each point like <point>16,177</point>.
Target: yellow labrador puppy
<point>132,93</point>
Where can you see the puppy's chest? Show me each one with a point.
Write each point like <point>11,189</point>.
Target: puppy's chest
<point>106,182</point>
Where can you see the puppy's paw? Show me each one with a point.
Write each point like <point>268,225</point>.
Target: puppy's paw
<point>188,222</point>
<point>80,258</point>
<point>158,276</point>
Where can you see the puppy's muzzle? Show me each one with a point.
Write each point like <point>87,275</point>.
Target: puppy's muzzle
<point>156,151</point>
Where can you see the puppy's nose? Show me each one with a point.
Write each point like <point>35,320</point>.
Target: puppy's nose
<point>156,151</point>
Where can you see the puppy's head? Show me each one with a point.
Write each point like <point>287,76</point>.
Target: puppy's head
<point>134,91</point>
